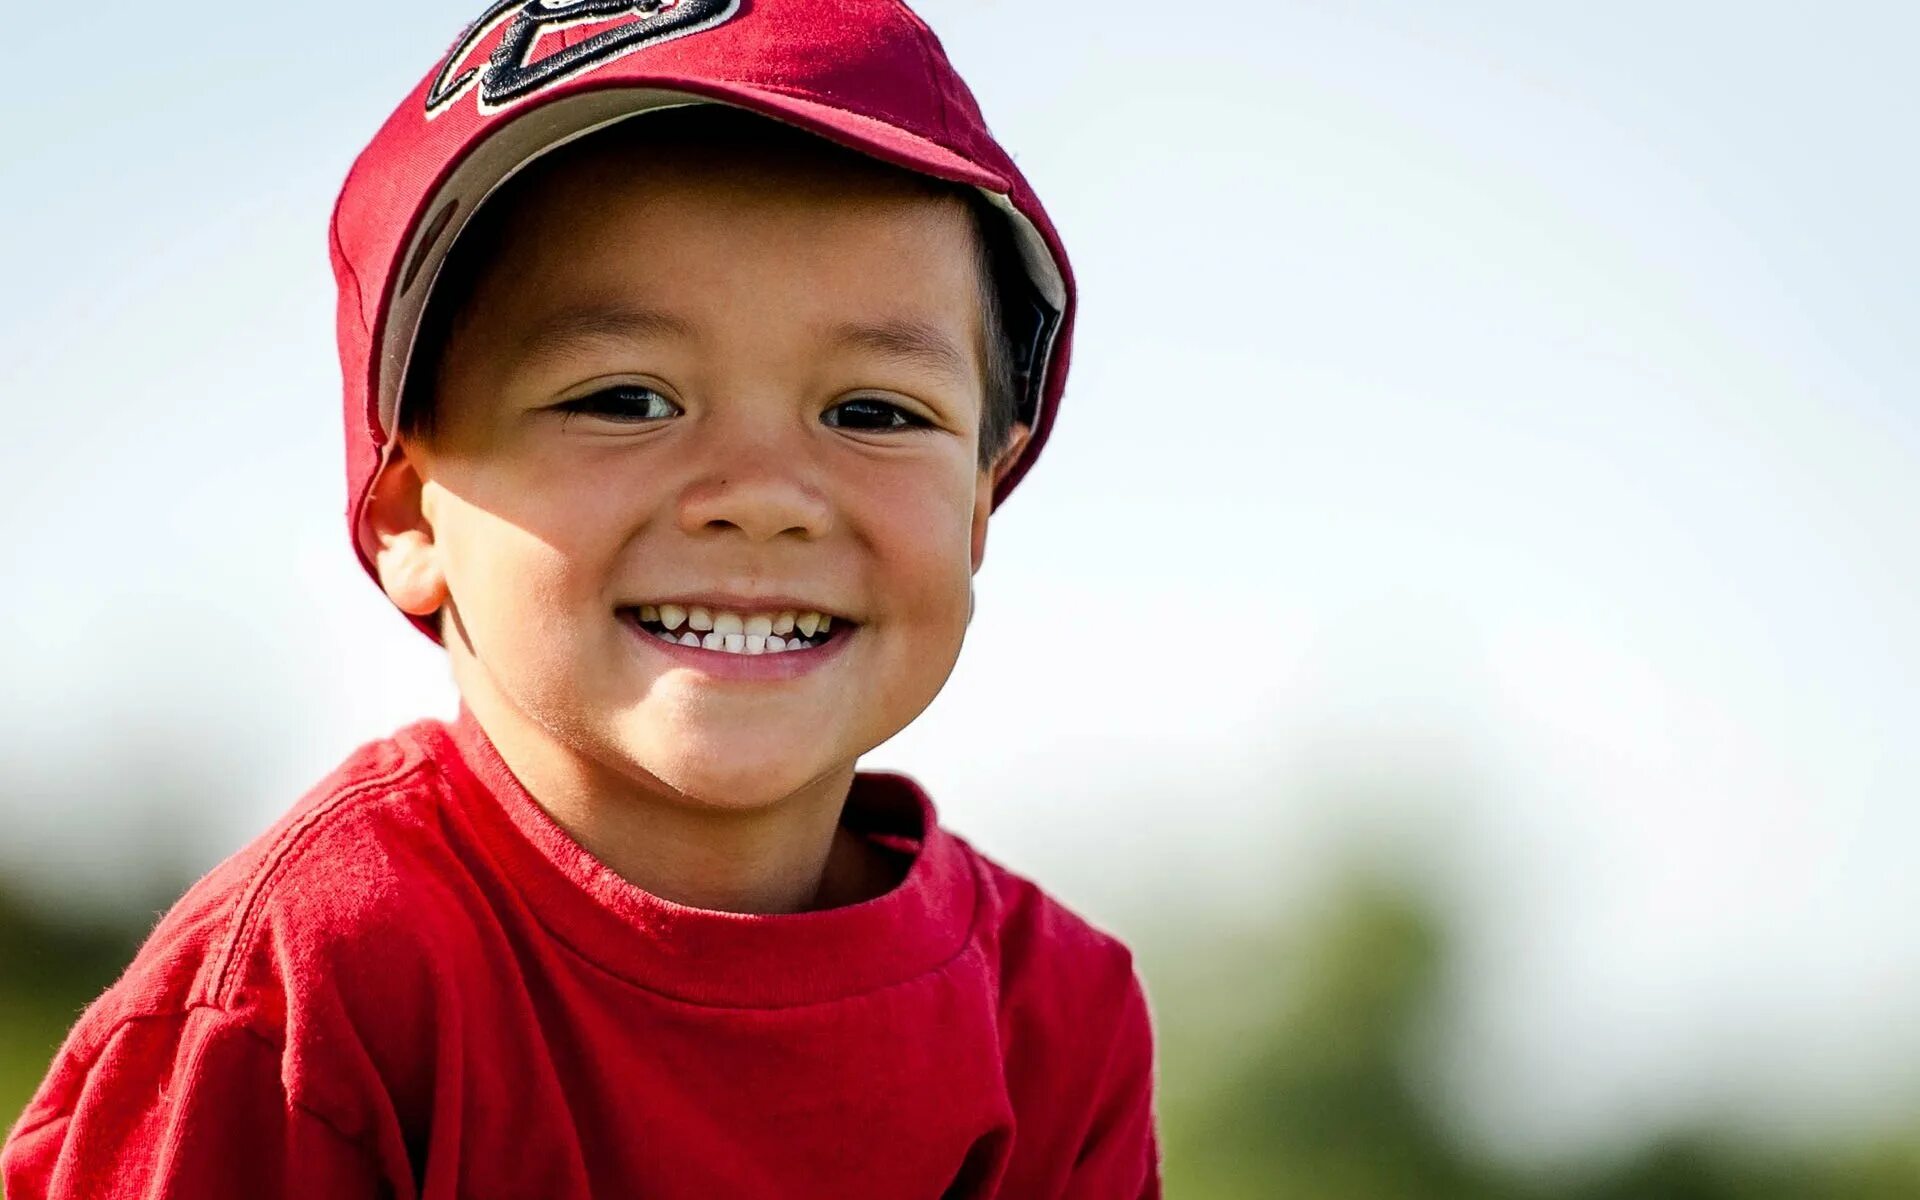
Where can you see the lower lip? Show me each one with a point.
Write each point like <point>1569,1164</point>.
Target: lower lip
<point>786,664</point>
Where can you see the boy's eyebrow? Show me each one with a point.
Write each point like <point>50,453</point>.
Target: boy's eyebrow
<point>911,341</point>
<point>583,325</point>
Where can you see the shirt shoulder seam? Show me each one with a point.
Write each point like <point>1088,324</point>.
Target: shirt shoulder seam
<point>252,907</point>
<point>184,1013</point>
<point>357,1141</point>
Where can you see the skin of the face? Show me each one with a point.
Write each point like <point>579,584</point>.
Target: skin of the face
<point>751,452</point>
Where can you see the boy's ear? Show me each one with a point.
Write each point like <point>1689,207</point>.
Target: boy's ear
<point>407,559</point>
<point>983,499</point>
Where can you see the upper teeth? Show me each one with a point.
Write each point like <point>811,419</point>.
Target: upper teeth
<point>737,633</point>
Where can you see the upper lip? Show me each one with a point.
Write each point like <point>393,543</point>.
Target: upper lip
<point>729,602</point>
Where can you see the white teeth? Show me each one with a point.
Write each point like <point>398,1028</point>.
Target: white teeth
<point>739,643</point>
<point>736,633</point>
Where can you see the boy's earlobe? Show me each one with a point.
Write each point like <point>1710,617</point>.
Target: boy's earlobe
<point>983,503</point>
<point>407,559</point>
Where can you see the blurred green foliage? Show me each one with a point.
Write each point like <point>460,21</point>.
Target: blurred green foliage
<point>1290,1066</point>
<point>50,968</point>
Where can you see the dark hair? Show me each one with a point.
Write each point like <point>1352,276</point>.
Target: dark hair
<point>1002,277</point>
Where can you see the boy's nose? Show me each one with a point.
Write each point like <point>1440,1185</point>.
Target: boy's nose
<point>762,494</point>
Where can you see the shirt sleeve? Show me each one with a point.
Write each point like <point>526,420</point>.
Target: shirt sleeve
<point>1121,1154</point>
<point>176,1106</point>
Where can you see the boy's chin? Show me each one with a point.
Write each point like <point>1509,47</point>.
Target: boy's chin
<point>723,775</point>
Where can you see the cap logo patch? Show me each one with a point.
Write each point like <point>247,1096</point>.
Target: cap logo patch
<point>511,73</point>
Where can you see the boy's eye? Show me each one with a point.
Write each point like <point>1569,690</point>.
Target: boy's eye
<point>627,403</point>
<point>868,413</point>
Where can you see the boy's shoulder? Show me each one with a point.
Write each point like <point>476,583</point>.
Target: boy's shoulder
<point>340,868</point>
<point>1047,953</point>
<point>1072,1005</point>
<point>322,910</point>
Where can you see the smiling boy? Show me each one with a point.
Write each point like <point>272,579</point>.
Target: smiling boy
<point>689,347</point>
<point>744,385</point>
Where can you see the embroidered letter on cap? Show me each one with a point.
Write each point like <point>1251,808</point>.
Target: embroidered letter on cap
<point>509,77</point>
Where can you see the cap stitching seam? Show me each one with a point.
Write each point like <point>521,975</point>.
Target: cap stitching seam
<point>834,102</point>
<point>353,276</point>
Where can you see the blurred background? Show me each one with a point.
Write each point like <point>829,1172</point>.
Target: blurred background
<point>1519,400</point>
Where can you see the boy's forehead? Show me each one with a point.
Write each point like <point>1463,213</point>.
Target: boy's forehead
<point>569,242</point>
<point>778,267</point>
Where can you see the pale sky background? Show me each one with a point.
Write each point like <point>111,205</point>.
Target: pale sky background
<point>1515,404</point>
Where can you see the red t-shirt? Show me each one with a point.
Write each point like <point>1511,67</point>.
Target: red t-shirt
<point>416,984</point>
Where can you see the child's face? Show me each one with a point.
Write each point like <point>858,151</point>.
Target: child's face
<point>679,382</point>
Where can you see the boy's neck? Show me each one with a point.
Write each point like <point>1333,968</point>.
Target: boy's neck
<point>791,856</point>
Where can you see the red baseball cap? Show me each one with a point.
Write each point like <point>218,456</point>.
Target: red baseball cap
<point>531,75</point>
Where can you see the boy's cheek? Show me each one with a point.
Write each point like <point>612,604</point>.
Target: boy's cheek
<point>930,535</point>
<point>931,579</point>
<point>930,496</point>
<point>514,579</point>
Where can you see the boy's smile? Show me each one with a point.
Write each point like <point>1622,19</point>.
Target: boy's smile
<point>731,397</point>
<point>743,638</point>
